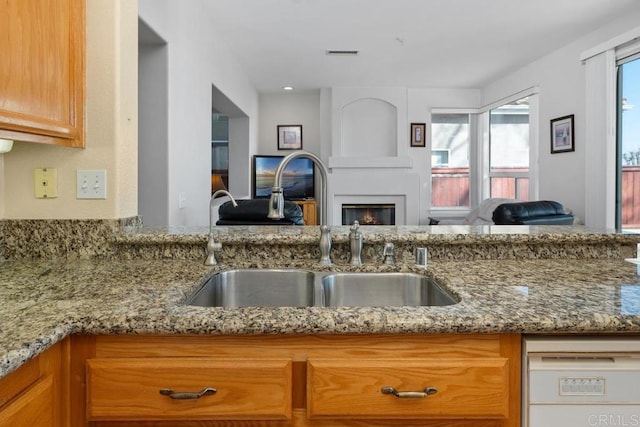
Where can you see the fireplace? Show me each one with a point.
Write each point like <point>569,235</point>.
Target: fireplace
<point>369,213</point>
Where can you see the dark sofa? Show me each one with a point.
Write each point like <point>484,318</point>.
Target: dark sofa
<point>254,212</point>
<point>541,212</point>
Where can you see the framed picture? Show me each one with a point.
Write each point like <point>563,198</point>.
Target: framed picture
<point>562,135</point>
<point>289,137</point>
<point>417,134</point>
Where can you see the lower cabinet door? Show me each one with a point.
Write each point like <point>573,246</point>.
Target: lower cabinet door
<point>188,389</point>
<point>33,407</point>
<point>408,388</point>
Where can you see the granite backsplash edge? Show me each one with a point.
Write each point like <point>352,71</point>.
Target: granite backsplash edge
<point>120,239</point>
<point>62,238</point>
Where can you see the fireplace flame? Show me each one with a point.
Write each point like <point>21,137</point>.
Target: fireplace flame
<point>368,218</point>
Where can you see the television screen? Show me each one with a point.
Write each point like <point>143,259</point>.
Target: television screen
<point>298,179</point>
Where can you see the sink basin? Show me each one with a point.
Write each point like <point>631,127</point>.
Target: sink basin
<point>383,290</point>
<point>256,288</point>
<point>301,288</point>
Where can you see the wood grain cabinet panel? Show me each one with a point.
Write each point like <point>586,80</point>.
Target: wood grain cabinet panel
<point>35,394</point>
<point>42,71</point>
<point>462,388</point>
<point>32,408</point>
<point>129,389</point>
<point>18,381</point>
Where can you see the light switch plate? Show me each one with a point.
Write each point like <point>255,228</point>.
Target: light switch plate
<point>46,183</point>
<point>91,184</point>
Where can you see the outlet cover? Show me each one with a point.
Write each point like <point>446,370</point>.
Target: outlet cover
<point>91,184</point>
<point>46,183</point>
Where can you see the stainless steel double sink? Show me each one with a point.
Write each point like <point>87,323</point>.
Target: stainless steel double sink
<point>302,288</point>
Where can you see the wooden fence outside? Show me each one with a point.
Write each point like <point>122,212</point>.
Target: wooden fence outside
<point>450,188</point>
<point>630,193</point>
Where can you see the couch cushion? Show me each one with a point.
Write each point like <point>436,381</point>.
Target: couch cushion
<point>538,212</point>
<point>254,212</point>
<point>483,213</point>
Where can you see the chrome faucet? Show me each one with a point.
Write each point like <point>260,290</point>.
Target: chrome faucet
<point>276,203</point>
<point>211,244</point>
<point>355,244</point>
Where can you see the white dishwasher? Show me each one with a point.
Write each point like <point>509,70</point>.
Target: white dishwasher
<point>581,382</point>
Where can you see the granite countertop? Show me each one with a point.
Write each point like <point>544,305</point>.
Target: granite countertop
<point>43,301</point>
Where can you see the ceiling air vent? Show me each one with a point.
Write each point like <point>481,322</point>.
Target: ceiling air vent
<point>336,52</point>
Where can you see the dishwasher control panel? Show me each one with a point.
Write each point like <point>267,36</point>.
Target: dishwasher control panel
<point>583,386</point>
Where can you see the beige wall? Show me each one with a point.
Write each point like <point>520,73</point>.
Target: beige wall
<point>111,129</point>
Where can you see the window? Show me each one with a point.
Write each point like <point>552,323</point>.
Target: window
<point>450,136</point>
<point>483,153</point>
<point>440,158</point>
<point>628,135</point>
<point>509,150</point>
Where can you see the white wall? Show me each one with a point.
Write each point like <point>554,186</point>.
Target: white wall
<point>198,60</point>
<point>153,174</point>
<point>289,108</point>
<point>561,78</point>
<point>239,157</point>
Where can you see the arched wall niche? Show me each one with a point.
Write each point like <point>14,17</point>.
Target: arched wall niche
<point>369,128</point>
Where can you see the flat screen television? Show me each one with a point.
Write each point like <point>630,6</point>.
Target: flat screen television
<point>298,179</point>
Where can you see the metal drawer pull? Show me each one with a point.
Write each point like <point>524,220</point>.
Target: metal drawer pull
<point>207,391</point>
<point>409,394</point>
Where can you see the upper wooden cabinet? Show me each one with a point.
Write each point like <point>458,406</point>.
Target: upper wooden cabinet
<point>42,71</point>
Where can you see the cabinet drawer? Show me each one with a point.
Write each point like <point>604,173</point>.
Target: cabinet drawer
<point>466,388</point>
<point>129,389</point>
<point>34,407</point>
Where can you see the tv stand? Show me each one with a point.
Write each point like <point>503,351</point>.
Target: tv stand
<point>309,211</point>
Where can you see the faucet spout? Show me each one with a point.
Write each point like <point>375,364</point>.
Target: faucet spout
<point>212,245</point>
<point>276,202</point>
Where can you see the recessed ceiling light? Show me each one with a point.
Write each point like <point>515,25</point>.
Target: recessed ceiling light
<point>287,87</point>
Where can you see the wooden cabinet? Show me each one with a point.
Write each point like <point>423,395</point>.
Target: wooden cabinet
<point>414,388</point>
<point>34,407</point>
<point>289,381</point>
<point>32,395</point>
<point>309,211</point>
<point>188,389</point>
<point>42,72</point>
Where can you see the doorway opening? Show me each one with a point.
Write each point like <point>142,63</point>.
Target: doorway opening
<point>219,152</point>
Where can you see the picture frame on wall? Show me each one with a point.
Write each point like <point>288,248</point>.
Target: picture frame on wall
<point>289,137</point>
<point>562,135</point>
<point>418,137</point>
